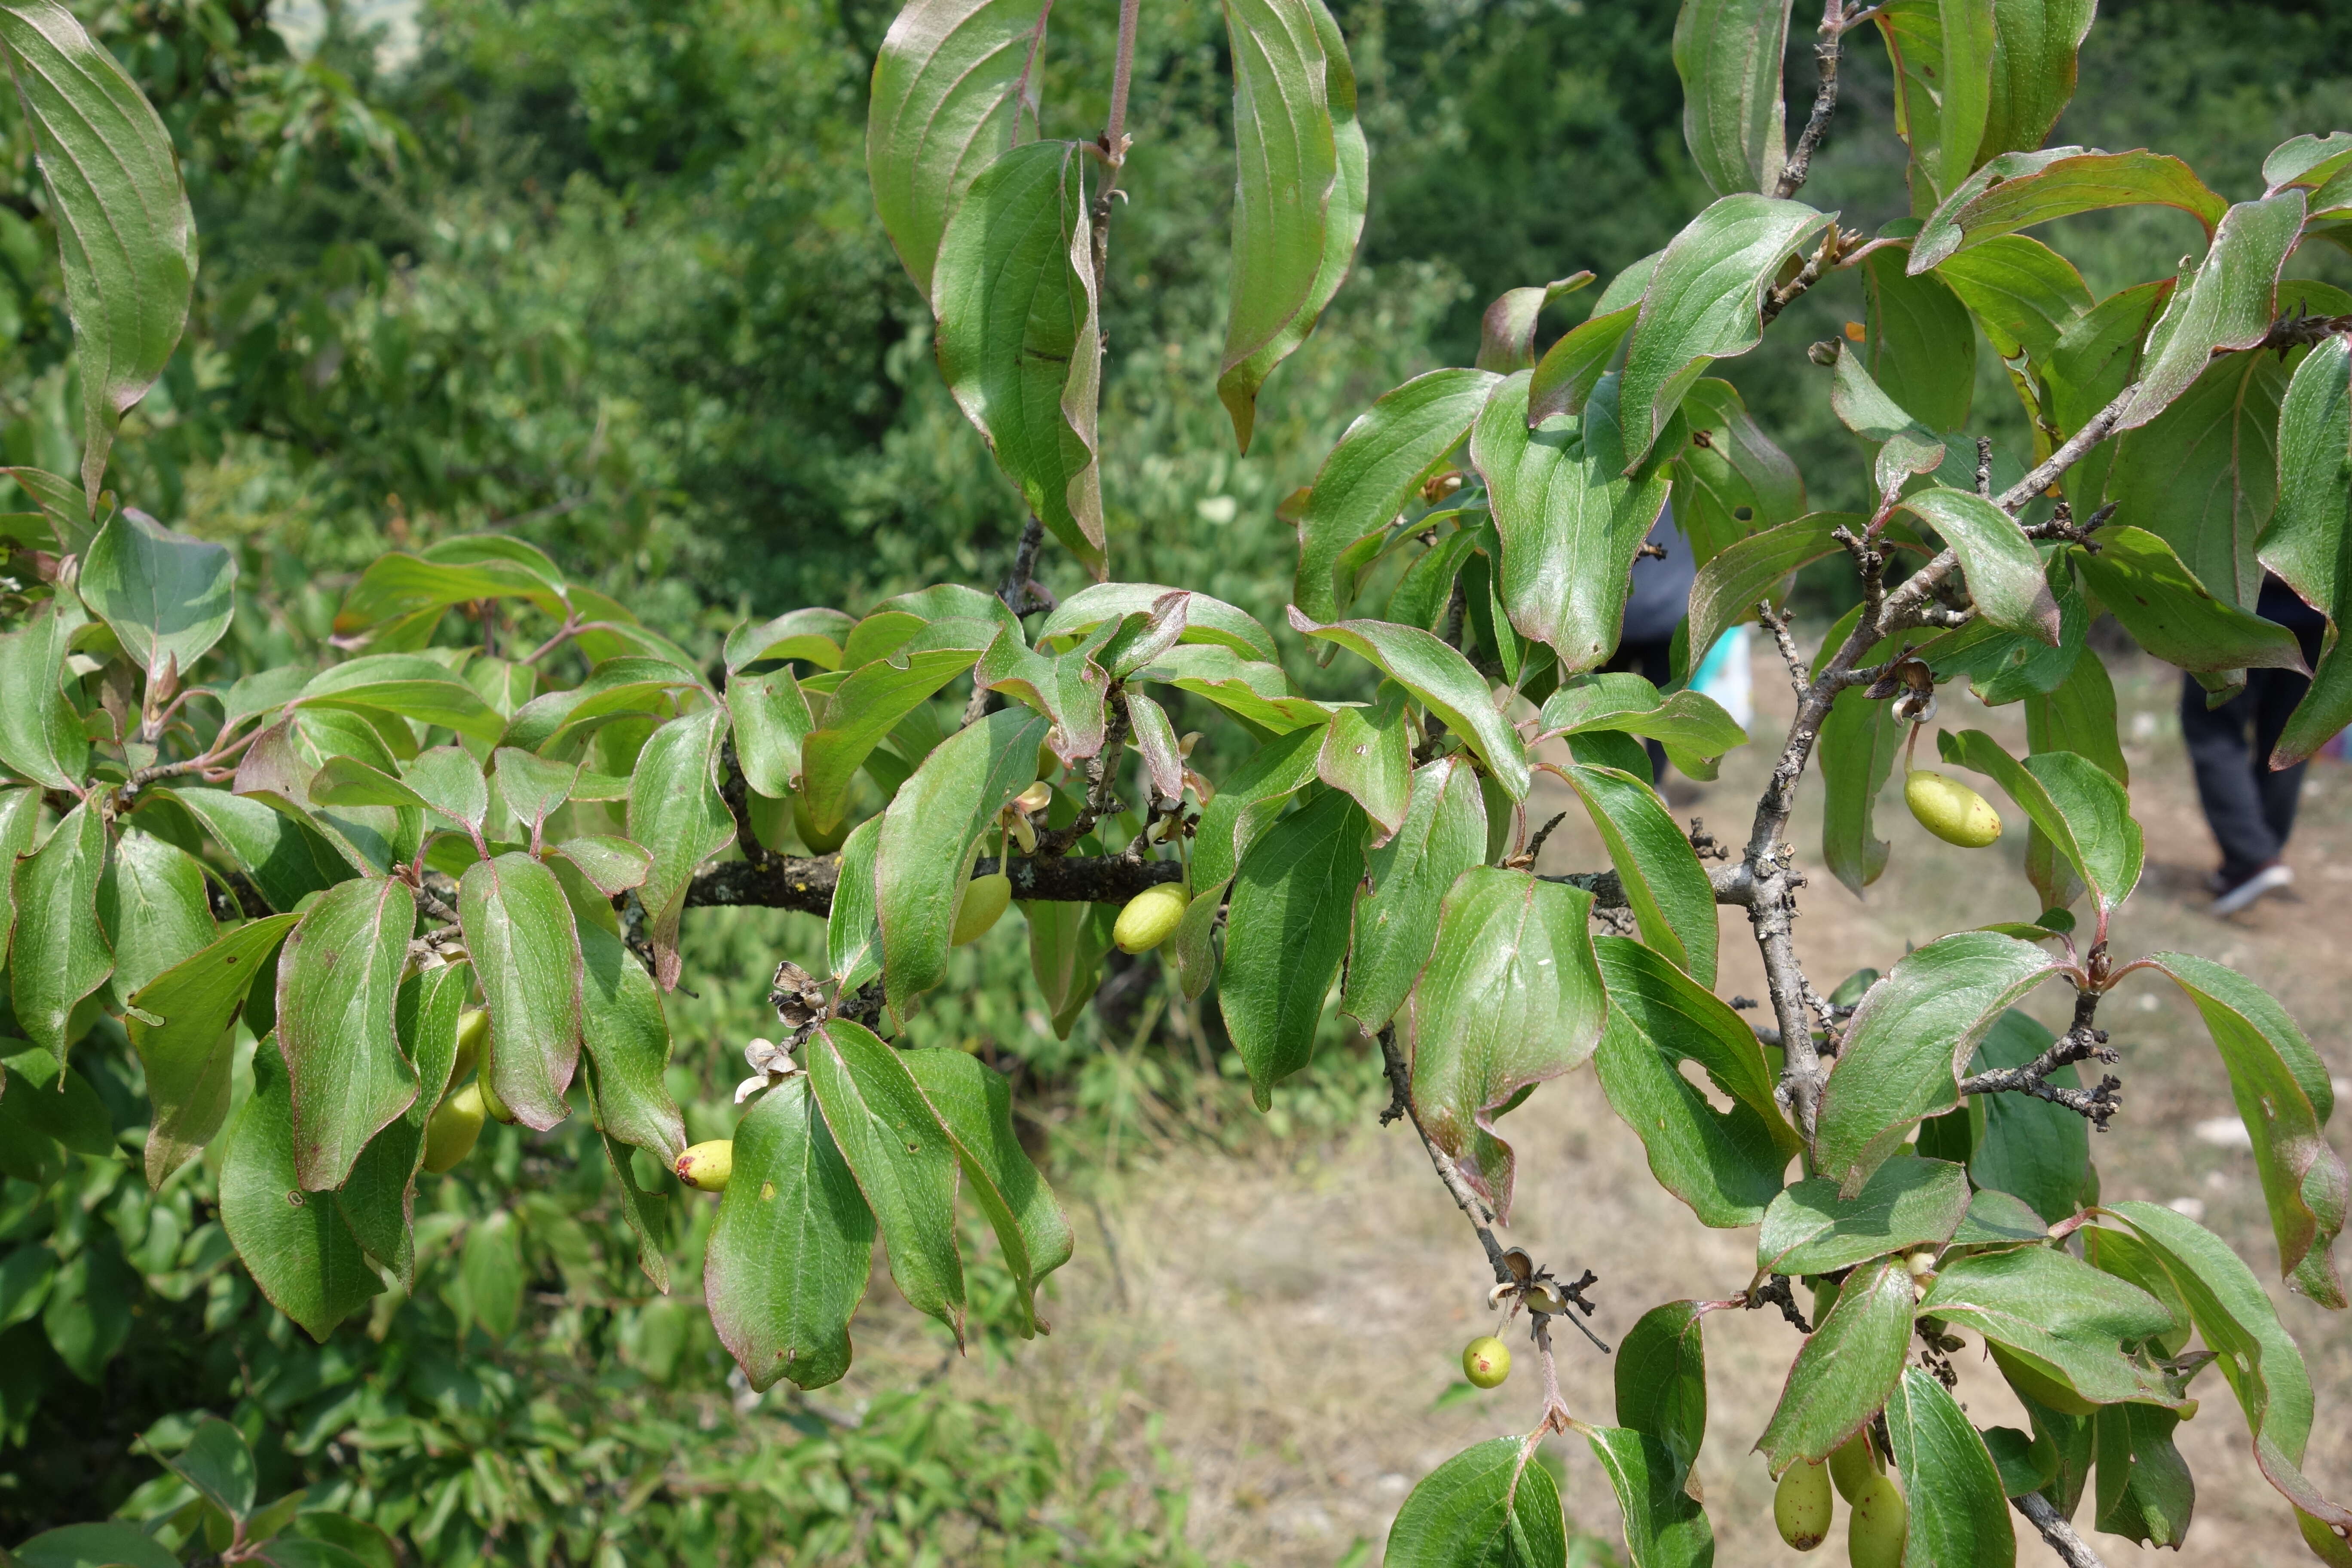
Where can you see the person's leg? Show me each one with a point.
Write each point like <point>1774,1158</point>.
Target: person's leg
<point>2226,787</point>
<point>2274,693</point>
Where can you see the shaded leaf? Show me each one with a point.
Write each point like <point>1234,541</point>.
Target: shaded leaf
<point>378,1200</point>
<point>59,954</point>
<point>2064,1322</point>
<point>295,1243</point>
<point>1665,1525</point>
<point>1487,1505</point>
<point>1906,1204</point>
<point>188,1056</point>
<point>1669,888</point>
<point>974,1105</point>
<point>167,596</point>
<point>1728,53</point>
<point>1958,1509</point>
<point>2228,304</point>
<point>526,950</point>
<point>1286,931</point>
<point>1661,1380</point>
<point>627,1037</point>
<point>1396,918</point>
<point>1846,1370</point>
<point>2304,541</point>
<point>2145,584</point>
<point>676,812</point>
<point>1443,680</point>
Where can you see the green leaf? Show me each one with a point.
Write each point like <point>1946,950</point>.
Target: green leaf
<point>490,1275</point>
<point>1905,446</point>
<point>2146,1493</point>
<point>790,1254</point>
<point>188,1056</point>
<point>2097,355</point>
<point>1487,1507</point>
<point>1844,1371</point>
<point>1511,996</point>
<point>1687,723</point>
<point>2078,805</point>
<point>1286,931</point>
<point>1726,1164</point>
<point>1396,918</point>
<point>1858,742</point>
<point>87,1318</point>
<point>645,1213</point>
<point>1666,1527</point>
<point>1156,742</point>
<point>1247,803</point>
<point>526,950</point>
<point>1366,754</point>
<point>904,1161</point>
<point>1298,201</point>
<point>974,1105</point>
<point>1070,690</point>
<point>20,815</point>
<point>956,83</point>
<point>1906,1204</point>
<point>1731,582</point>
<point>2064,1320</point>
<point>772,720</point>
<point>2034,47</point>
<point>676,812</point>
<point>1067,944</point>
<point>41,735</point>
<point>1391,450</point>
<point>59,954</point>
<point>152,905</point>
<point>1703,304</point>
<point>1019,344</point>
<point>124,231</point>
<point>1564,378</point>
<point>928,838</point>
<point>2228,304</point>
<point>1205,620</point>
<point>408,685</point>
<point>1661,1380</point>
<point>853,930</point>
<point>532,788</point>
<point>1570,523</point>
<point>167,596</point>
<point>59,1103</point>
<point>627,1037</point>
<point>1997,1219</point>
<point>892,624</point>
<point>1443,680</point>
<point>1906,1042</point>
<point>397,586</point>
<point>1919,344</point>
<point>336,983</point>
<point>2004,575</point>
<point>2285,1098</point>
<point>2140,580</point>
<point>860,714</point>
<point>1259,694</point>
<point>2018,190</point>
<point>1958,1509</point>
<point>2024,294</point>
<point>814,636</point>
<point>218,1463</point>
<point>1728,53</point>
<point>551,723</point>
<point>2030,1148</point>
<point>294,1242</point>
<point>379,1200</point>
<point>1669,888</point>
<point>2303,542</point>
<point>1506,333</point>
<point>286,859</point>
<point>1731,481</point>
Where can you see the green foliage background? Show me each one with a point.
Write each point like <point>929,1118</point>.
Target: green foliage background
<point>605,274</point>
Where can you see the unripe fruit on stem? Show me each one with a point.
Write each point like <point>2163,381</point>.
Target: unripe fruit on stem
<point>982,906</point>
<point>706,1166</point>
<point>1485,1362</point>
<point>473,1028</point>
<point>1802,1506</point>
<point>1950,810</point>
<point>450,1132</point>
<point>1853,1467</point>
<point>818,843</point>
<point>1149,918</point>
<point>497,1108</point>
<point>1881,1521</point>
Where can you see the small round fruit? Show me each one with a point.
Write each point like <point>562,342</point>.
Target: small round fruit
<point>706,1166</point>
<point>1853,1467</point>
<point>1802,1506</point>
<point>450,1132</point>
<point>984,899</point>
<point>1486,1361</point>
<point>823,843</point>
<point>473,1028</point>
<point>1881,1521</point>
<point>1950,810</point>
<point>1149,918</point>
<point>500,1112</point>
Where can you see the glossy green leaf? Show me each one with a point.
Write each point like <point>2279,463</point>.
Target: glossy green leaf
<point>41,735</point>
<point>2304,541</point>
<point>812,634</point>
<point>852,929</point>
<point>1443,680</point>
<point>408,685</point>
<point>1019,345</point>
<point>2228,304</point>
<point>1666,1527</point>
<point>20,817</point>
<point>1919,344</point>
<point>1726,1164</point>
<point>1844,1371</point>
<point>1906,1042</point>
<point>124,230</point>
<point>532,788</point>
<point>1511,996</point>
<point>891,625</point>
<point>611,865</point>
<point>1506,333</point>
<point>2030,1148</point>
<point>1490,1506</point>
<point>1703,304</point>
<point>790,1254</point>
<point>2081,807</point>
<point>398,586</point>
<point>1286,931</point>
<point>1731,481</point>
<point>1206,620</point>
<point>860,714</point>
<point>1728,53</point>
<point>1669,888</point>
<point>2004,575</point>
<point>1958,1509</point>
<point>1906,1204</point>
<point>1367,753</point>
<point>956,82</point>
<point>1661,1380</point>
<point>526,950</point>
<point>1256,692</point>
<point>2018,190</point>
<point>2035,45</point>
<point>1384,457</point>
<point>59,953</point>
<point>378,1201</point>
<point>336,983</point>
<point>676,812</point>
<point>553,723</point>
<point>1858,742</point>
<point>1564,378</point>
<point>2060,1319</point>
<point>286,859</point>
<point>1298,201</point>
<point>2144,584</point>
<point>1155,740</point>
<point>974,1106</point>
<point>645,1211</point>
<point>166,596</point>
<point>153,904</point>
<point>1691,726</point>
<point>2077,715</point>
<point>1396,918</point>
<point>2024,294</point>
<point>772,720</point>
<point>188,1056</point>
<point>1732,583</point>
<point>1942,53</point>
<point>627,1037</point>
<point>1070,690</point>
<point>1570,523</point>
<point>927,835</point>
<point>2097,355</point>
<point>2146,1493</point>
<point>293,1242</point>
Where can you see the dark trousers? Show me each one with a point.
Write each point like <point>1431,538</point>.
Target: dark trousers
<point>2251,807</point>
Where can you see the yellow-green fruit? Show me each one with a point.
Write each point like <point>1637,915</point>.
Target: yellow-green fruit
<point>450,1132</point>
<point>823,843</point>
<point>1853,1467</point>
<point>1149,918</point>
<point>1486,1361</point>
<point>984,899</point>
<point>1881,1521</point>
<point>706,1166</point>
<point>498,1110</point>
<point>1802,1506</point>
<point>473,1028</point>
<point>1950,810</point>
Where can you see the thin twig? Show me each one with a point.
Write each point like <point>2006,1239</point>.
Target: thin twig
<point>2071,1549</point>
<point>1834,22</point>
<point>2083,1042</point>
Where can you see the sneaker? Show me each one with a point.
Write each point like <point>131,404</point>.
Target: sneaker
<point>2262,880</point>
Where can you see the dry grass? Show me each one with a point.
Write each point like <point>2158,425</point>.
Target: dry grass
<point>1283,1323</point>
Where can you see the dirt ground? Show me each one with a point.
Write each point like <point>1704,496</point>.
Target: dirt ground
<point>1278,1329</point>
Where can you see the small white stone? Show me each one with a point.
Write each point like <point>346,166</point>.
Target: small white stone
<point>2189,1208</point>
<point>2223,1133</point>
